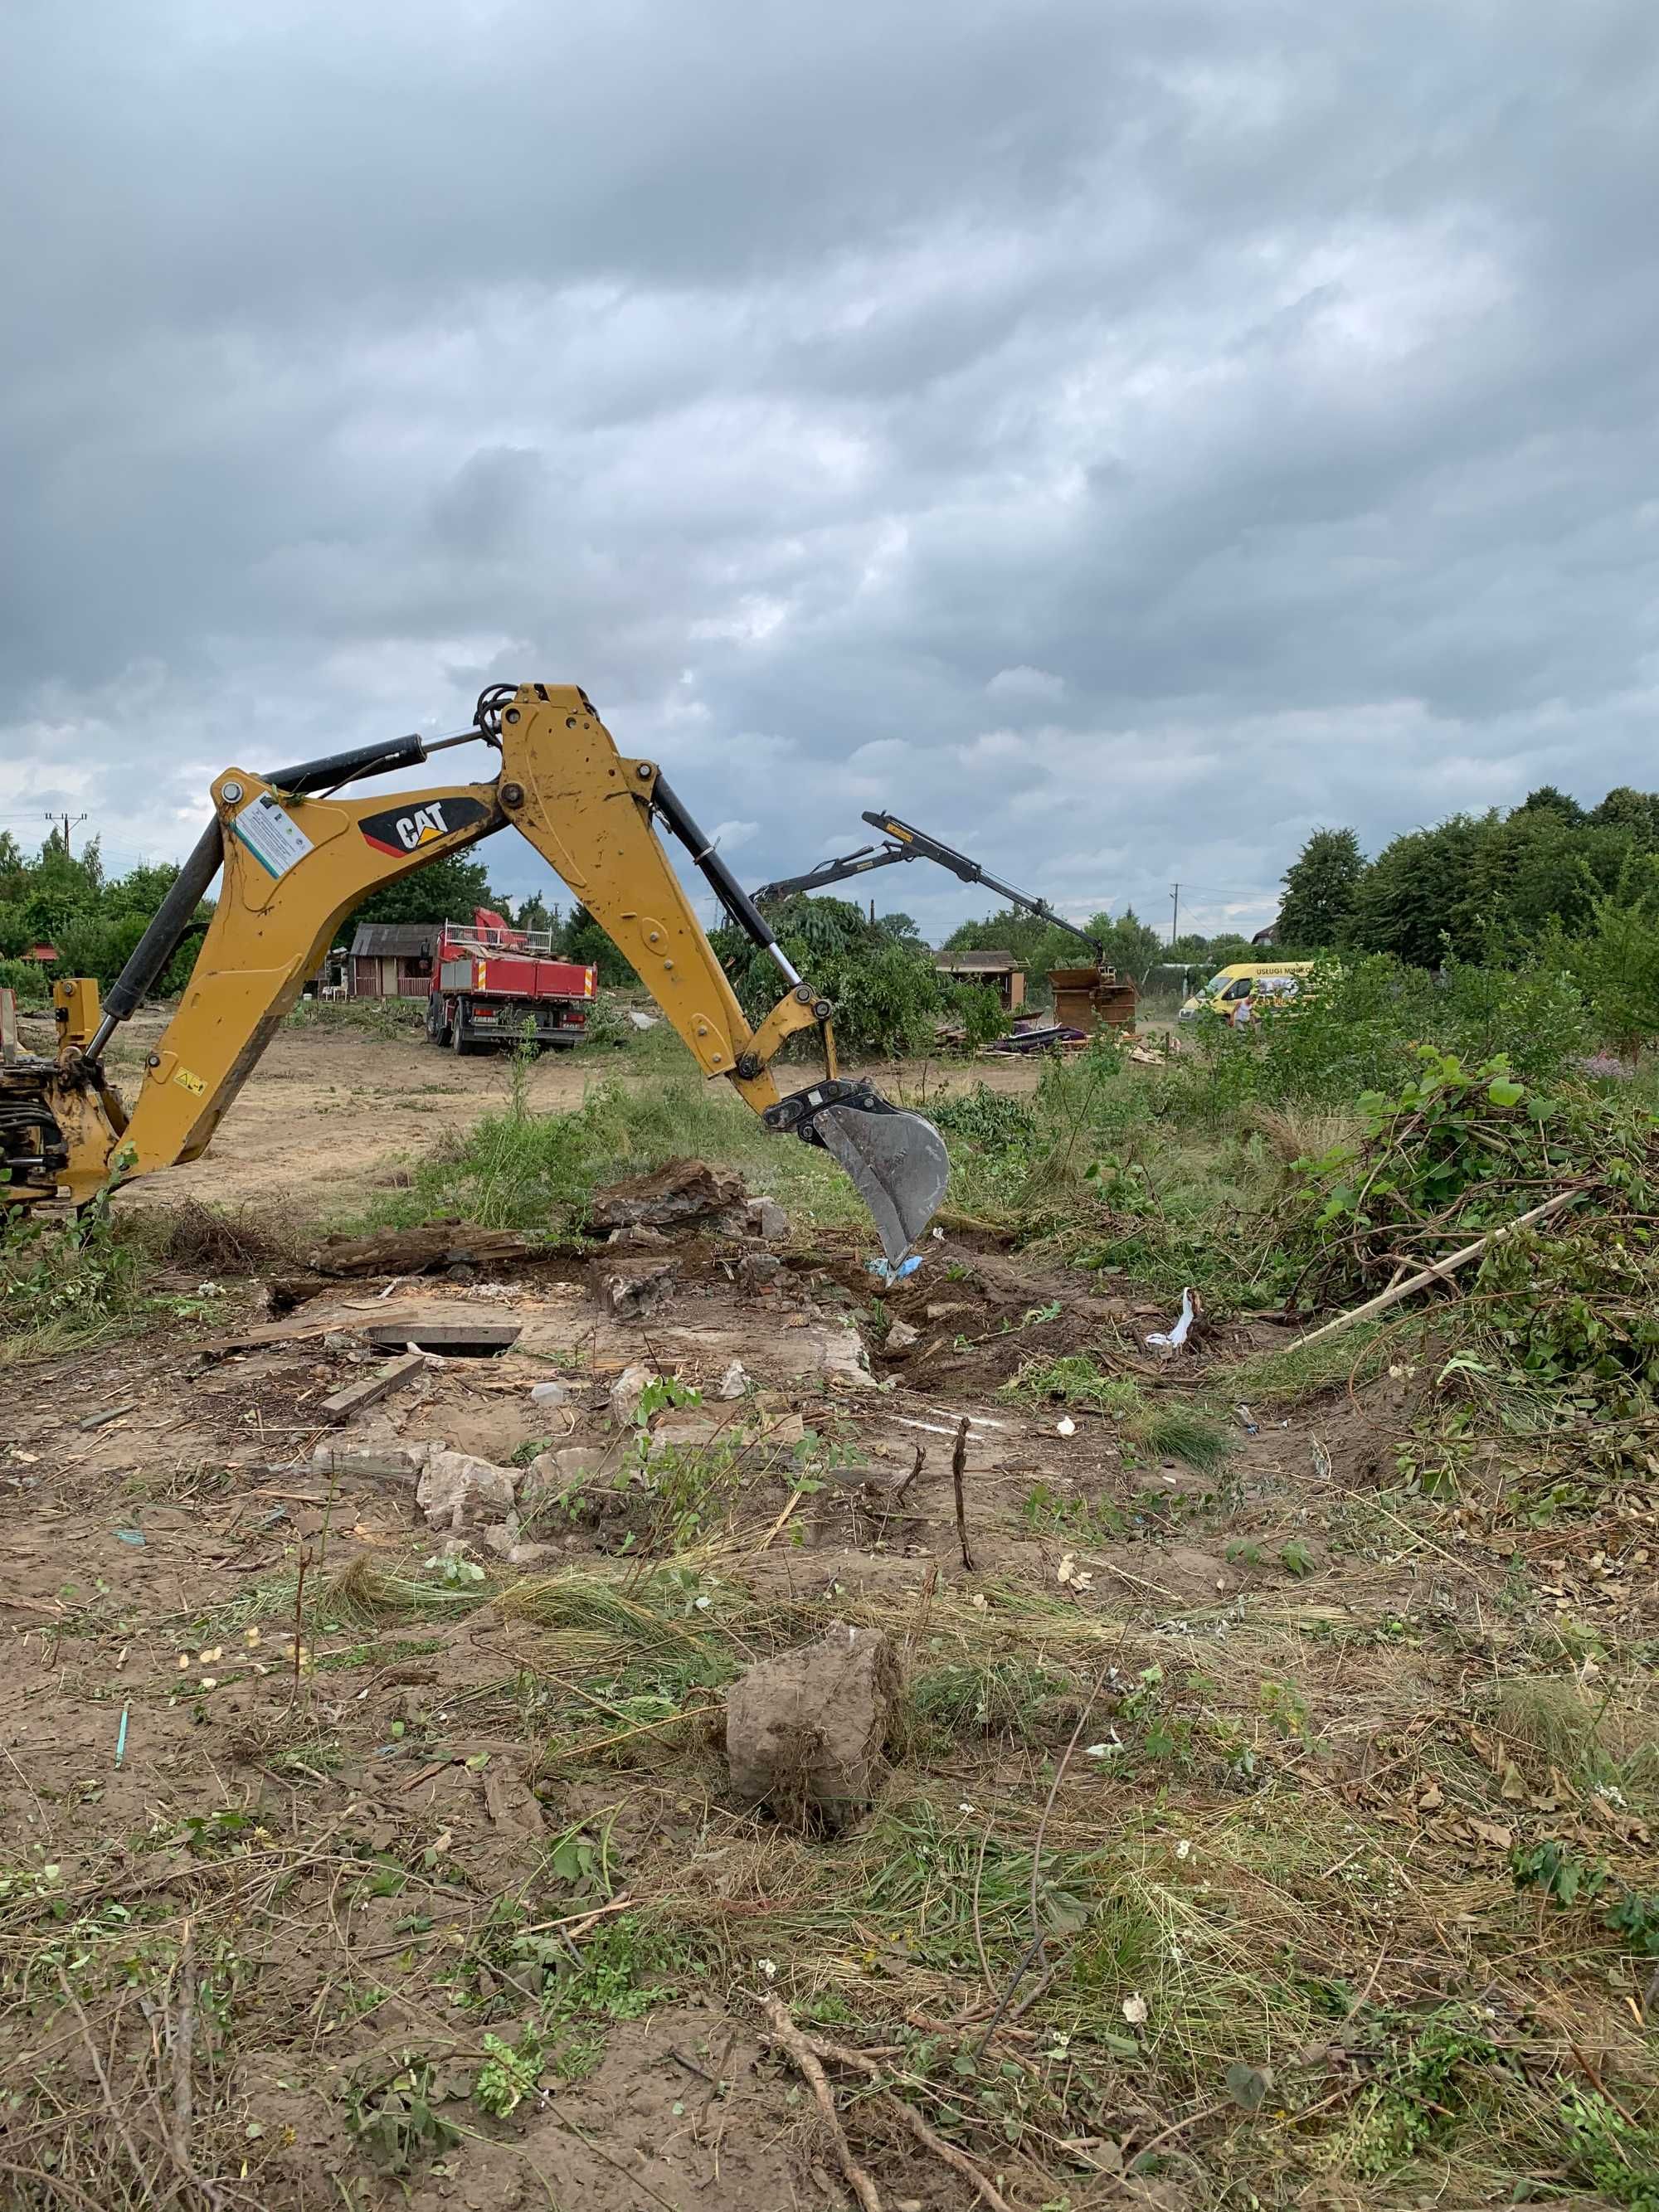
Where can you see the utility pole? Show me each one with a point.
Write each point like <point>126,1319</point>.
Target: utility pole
<point>1175,916</point>
<point>69,822</point>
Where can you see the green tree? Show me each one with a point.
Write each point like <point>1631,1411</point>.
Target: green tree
<point>1546,799</point>
<point>1616,963</point>
<point>445,890</point>
<point>901,927</point>
<point>534,913</point>
<point>1321,885</point>
<point>1535,868</point>
<point>1127,944</point>
<point>888,995</point>
<point>1635,812</point>
<point>1409,899</point>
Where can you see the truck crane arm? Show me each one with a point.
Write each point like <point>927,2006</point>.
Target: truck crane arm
<point>918,843</point>
<point>833,872</point>
<point>905,842</point>
<point>296,859</point>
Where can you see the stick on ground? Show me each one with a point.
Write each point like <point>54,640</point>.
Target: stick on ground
<point>958,1468</point>
<point>789,2038</point>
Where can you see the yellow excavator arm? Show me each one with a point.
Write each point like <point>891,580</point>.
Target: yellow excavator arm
<point>295,859</point>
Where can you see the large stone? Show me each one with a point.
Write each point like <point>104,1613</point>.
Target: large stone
<point>554,1474</point>
<point>767,1219</point>
<point>682,1193</point>
<point>457,1493</point>
<point>758,1271</point>
<point>806,1733</point>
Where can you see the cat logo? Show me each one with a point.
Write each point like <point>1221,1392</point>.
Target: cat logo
<point>407,829</point>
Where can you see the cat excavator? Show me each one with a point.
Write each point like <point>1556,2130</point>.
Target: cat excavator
<point>296,860</point>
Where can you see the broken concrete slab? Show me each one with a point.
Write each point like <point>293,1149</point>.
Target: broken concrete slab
<point>637,1237</point>
<point>806,1733</point>
<point>629,1387</point>
<point>682,1193</point>
<point>459,1493</point>
<point>900,1336</point>
<point>551,1473</point>
<point>471,1339</point>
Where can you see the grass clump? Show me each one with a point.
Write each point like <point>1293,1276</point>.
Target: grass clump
<point>1010,1699</point>
<point>1148,1428</point>
<point>536,1172</point>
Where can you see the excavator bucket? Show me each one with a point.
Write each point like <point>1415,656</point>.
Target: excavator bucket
<point>897,1161</point>
<point>898,1165</point>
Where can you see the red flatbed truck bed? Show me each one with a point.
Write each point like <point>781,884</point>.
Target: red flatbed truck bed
<point>492,984</point>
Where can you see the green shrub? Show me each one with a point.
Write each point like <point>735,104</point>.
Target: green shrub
<point>26,981</point>
<point>888,997</point>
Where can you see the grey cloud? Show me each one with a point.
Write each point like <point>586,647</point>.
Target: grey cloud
<point>1118,439</point>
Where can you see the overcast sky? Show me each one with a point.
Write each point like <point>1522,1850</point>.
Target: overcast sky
<point>1117,434</point>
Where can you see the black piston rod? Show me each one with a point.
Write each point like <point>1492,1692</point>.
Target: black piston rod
<point>172,917</point>
<point>724,885</point>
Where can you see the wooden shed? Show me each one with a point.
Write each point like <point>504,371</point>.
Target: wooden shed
<point>998,971</point>
<point>392,960</point>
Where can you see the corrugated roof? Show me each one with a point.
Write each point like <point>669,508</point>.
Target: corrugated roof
<point>396,940</point>
<point>975,963</point>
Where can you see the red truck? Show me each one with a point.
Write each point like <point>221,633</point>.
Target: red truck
<point>492,984</point>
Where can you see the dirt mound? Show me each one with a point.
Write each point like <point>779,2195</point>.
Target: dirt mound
<point>979,1317</point>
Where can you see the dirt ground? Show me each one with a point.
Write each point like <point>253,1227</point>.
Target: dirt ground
<point>361,1819</point>
<point>300,1829</point>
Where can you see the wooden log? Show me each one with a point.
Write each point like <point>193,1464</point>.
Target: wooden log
<point>416,1251</point>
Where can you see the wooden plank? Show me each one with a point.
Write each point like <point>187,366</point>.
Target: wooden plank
<point>344,1403</point>
<point>379,1467</point>
<point>484,1336</point>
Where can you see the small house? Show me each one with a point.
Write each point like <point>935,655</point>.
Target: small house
<point>997,971</point>
<point>392,960</point>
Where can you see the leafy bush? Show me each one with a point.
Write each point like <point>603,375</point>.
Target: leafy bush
<point>27,979</point>
<point>989,1119</point>
<point>888,997</point>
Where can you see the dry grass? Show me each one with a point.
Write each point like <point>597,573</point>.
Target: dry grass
<point>1301,1132</point>
<point>230,1241</point>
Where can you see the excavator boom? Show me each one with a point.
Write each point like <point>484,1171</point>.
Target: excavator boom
<point>295,859</point>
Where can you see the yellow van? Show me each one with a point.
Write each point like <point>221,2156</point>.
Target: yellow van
<point>1246,979</point>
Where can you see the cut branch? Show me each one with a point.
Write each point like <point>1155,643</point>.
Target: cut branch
<point>1438,1270</point>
